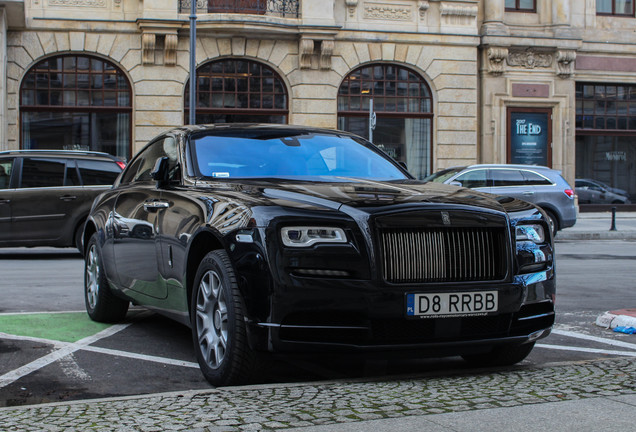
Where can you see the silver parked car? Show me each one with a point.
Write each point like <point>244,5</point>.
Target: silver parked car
<point>596,192</point>
<point>539,185</point>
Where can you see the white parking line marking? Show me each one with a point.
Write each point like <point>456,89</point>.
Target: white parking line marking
<point>60,353</point>
<point>151,358</point>
<point>594,338</point>
<point>60,345</point>
<point>589,350</point>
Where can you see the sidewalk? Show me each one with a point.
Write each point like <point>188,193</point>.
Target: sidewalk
<point>596,226</point>
<point>593,395</point>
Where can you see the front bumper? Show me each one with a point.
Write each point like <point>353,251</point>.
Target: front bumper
<point>355,316</point>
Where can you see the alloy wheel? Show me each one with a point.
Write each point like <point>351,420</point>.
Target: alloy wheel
<point>212,319</point>
<point>92,277</point>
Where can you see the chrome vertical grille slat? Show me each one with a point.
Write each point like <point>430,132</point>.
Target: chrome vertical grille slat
<point>446,254</point>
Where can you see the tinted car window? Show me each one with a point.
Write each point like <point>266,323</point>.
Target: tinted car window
<point>42,173</point>
<point>507,177</point>
<point>98,172</point>
<point>6,166</point>
<point>535,179</point>
<point>311,155</point>
<point>473,179</point>
<point>144,162</point>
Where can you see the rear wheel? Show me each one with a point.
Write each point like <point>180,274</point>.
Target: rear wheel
<point>101,304</point>
<point>218,323</point>
<point>505,355</point>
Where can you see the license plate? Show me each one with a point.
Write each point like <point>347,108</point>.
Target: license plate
<point>451,304</point>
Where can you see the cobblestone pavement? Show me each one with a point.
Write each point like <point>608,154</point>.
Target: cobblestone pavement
<point>283,406</point>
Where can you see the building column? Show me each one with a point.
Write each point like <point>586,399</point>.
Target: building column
<point>3,79</point>
<point>493,18</point>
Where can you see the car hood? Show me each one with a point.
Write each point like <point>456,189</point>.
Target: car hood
<point>367,195</point>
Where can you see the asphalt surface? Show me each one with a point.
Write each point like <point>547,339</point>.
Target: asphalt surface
<point>595,392</point>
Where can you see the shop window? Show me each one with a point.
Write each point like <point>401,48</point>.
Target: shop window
<point>233,91</point>
<point>615,7</point>
<point>76,102</point>
<point>606,107</point>
<point>402,104</point>
<point>521,5</point>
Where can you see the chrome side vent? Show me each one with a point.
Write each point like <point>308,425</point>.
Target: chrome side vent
<point>444,254</point>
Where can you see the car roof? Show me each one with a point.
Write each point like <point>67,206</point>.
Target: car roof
<point>256,127</point>
<point>60,153</point>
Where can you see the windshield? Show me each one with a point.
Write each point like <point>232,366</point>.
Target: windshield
<point>443,175</point>
<point>284,155</point>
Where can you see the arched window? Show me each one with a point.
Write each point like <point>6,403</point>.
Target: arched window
<point>232,91</point>
<point>76,102</point>
<point>403,106</point>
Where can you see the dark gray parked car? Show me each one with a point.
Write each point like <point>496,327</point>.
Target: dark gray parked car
<point>596,192</point>
<point>539,185</point>
<point>45,195</point>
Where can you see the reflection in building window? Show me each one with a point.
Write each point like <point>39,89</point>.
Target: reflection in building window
<point>403,105</point>
<point>76,102</point>
<point>237,90</point>
<point>615,7</point>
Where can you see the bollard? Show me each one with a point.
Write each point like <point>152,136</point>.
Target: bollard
<point>613,227</point>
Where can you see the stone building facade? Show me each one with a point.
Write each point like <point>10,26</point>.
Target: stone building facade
<point>452,81</point>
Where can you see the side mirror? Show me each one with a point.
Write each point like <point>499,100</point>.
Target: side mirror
<point>160,171</point>
<point>456,183</point>
<point>403,165</point>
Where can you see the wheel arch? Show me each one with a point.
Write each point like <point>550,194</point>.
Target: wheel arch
<point>89,230</point>
<point>205,241</point>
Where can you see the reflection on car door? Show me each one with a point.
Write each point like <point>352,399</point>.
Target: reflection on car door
<point>136,246</point>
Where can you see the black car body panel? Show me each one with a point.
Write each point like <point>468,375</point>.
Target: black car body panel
<point>400,240</point>
<point>49,193</point>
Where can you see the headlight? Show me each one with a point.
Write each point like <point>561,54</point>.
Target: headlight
<point>303,236</point>
<point>532,232</point>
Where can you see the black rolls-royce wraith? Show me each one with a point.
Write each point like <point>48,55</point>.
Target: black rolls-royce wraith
<point>289,239</point>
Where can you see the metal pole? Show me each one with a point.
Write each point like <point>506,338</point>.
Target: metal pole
<point>613,226</point>
<point>193,61</point>
<point>371,120</point>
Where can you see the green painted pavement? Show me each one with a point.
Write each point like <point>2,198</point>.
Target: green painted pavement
<point>64,327</point>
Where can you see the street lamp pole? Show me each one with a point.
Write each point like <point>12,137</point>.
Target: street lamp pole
<point>193,61</point>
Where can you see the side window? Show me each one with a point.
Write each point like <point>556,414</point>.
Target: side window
<point>98,172</point>
<point>6,166</point>
<point>507,177</point>
<point>534,179</point>
<point>42,173</point>
<point>473,179</point>
<point>144,162</point>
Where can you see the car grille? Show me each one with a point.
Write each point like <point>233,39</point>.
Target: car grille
<point>443,254</point>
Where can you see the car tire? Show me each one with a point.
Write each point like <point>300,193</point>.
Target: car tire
<point>553,222</point>
<point>218,323</point>
<point>101,304</point>
<point>505,355</point>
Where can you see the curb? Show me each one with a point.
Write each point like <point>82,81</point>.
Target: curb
<point>617,318</point>
<point>595,235</point>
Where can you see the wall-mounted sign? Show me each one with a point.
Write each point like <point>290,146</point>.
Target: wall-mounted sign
<point>529,136</point>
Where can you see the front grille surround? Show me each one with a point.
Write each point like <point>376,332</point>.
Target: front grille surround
<point>444,254</point>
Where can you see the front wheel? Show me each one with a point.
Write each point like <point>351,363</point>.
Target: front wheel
<point>218,323</point>
<point>505,355</point>
<point>101,304</point>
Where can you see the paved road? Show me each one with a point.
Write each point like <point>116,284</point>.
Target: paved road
<point>150,354</point>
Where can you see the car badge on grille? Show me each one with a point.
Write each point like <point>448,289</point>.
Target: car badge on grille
<point>446,218</point>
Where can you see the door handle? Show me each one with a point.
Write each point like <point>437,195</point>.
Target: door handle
<point>4,201</point>
<point>529,193</point>
<point>154,205</point>
<point>68,197</point>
